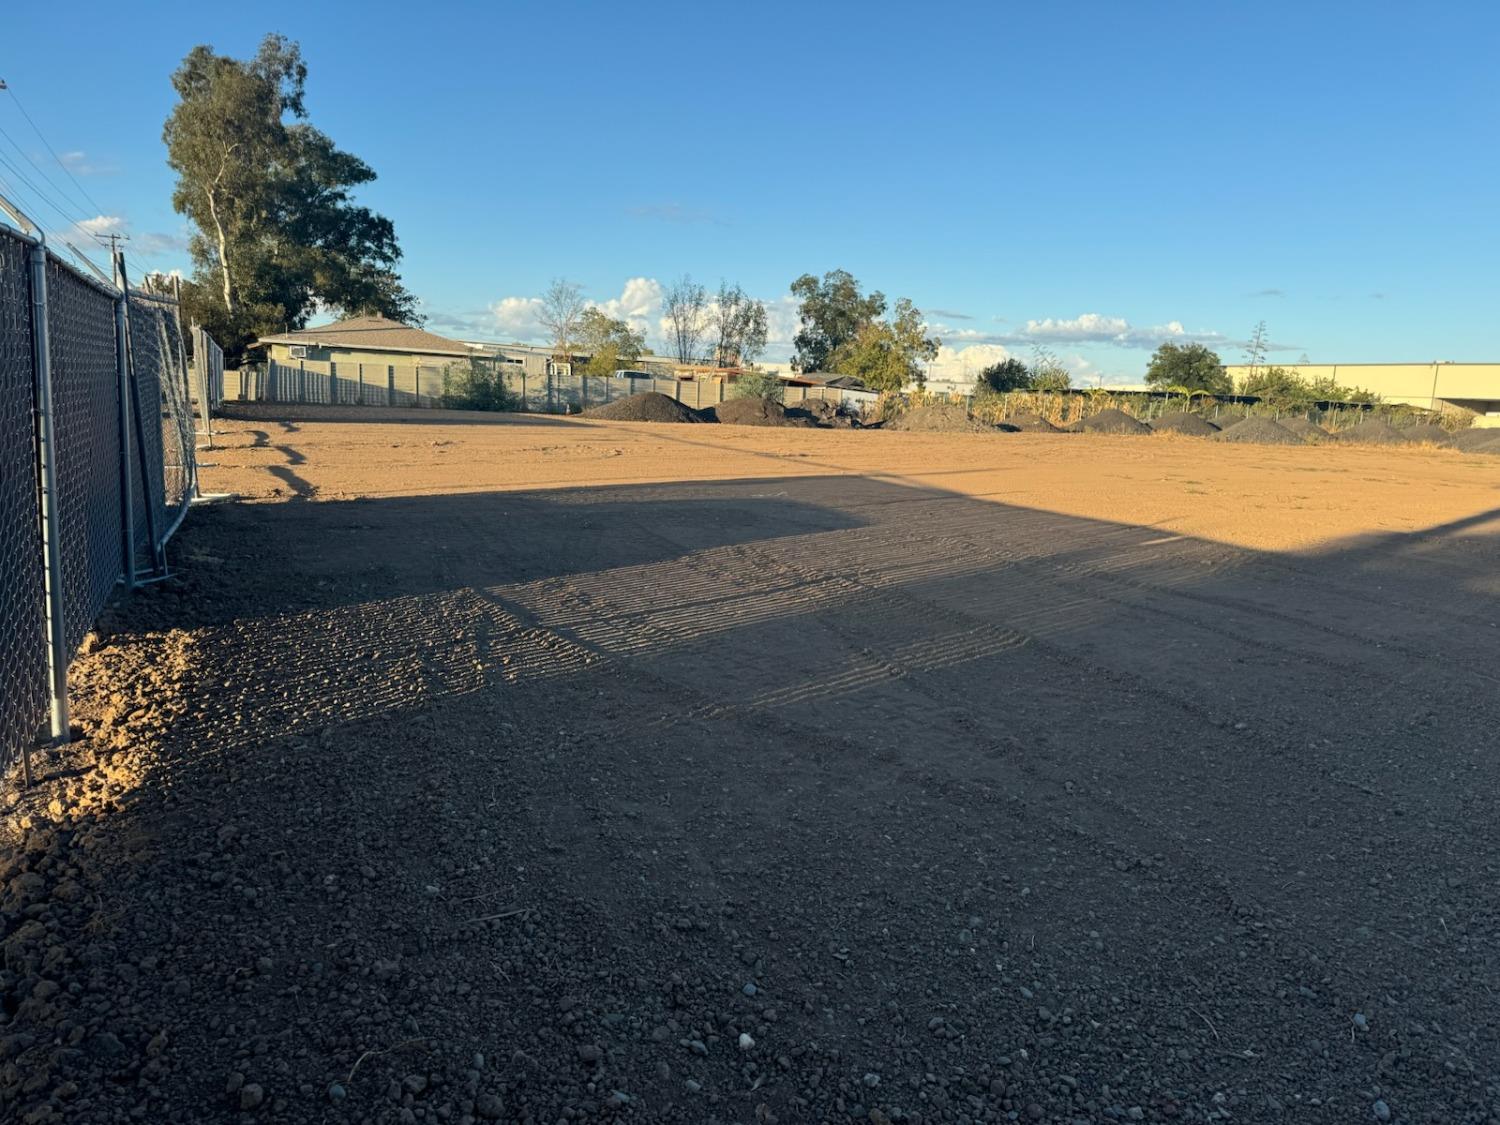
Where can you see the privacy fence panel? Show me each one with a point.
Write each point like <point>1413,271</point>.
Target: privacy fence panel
<point>23,648</point>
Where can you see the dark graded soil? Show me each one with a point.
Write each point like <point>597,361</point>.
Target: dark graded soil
<point>697,803</point>
<point>1373,431</point>
<point>1032,424</point>
<point>939,418</point>
<point>1259,431</point>
<point>1227,421</point>
<point>1111,421</point>
<point>1184,422</point>
<point>648,406</point>
<point>1307,431</point>
<point>751,411</point>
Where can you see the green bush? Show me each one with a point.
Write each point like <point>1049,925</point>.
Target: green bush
<point>475,384</point>
<point>758,384</point>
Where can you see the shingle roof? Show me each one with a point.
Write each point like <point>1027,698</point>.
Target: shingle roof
<point>375,333</point>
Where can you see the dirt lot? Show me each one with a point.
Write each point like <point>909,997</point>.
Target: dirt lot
<point>541,769</point>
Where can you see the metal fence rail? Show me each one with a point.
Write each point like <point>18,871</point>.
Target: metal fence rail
<point>96,464</point>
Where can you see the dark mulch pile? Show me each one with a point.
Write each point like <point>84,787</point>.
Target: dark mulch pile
<point>1224,421</point>
<point>752,411</point>
<point>1260,431</point>
<point>1032,424</point>
<point>941,418</point>
<point>1373,431</point>
<point>1112,422</point>
<point>1477,441</point>
<point>649,406</point>
<point>1183,422</point>
<point>1429,433</point>
<point>821,413</point>
<point>1307,431</point>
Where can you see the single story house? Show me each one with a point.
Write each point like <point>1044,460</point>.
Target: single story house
<point>364,339</point>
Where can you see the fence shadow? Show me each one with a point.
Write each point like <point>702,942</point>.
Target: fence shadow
<point>858,716</point>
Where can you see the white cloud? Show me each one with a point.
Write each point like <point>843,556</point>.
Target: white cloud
<point>79,164</point>
<point>963,365</point>
<point>638,305</point>
<point>1089,326</point>
<point>518,318</point>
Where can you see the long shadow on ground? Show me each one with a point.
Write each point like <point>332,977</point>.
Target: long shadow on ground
<point>789,799</point>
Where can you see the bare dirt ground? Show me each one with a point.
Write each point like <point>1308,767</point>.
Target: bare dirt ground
<point>541,769</point>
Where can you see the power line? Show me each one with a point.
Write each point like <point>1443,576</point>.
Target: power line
<point>66,170</point>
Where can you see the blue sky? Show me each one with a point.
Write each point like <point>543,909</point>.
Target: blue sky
<point>1095,177</point>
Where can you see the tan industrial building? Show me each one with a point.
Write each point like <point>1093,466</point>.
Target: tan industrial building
<point>1432,386</point>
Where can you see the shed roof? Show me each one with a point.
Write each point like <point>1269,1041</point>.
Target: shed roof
<point>372,333</point>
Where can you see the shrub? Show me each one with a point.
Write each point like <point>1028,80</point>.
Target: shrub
<point>758,384</point>
<point>475,385</point>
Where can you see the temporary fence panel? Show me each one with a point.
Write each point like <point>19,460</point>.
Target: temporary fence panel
<point>23,639</point>
<point>80,363</point>
<point>86,412</point>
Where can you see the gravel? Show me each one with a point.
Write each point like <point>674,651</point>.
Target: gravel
<point>1373,431</point>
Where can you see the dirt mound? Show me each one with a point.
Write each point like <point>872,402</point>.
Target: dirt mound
<point>1429,433</point>
<point>1373,431</point>
<point>752,411</point>
<point>822,413</point>
<point>1112,421</point>
<point>1224,421</point>
<point>941,418</point>
<point>648,406</point>
<point>1261,431</point>
<point>1032,424</point>
<point>1183,422</point>
<point>1307,431</point>
<point>1477,441</point>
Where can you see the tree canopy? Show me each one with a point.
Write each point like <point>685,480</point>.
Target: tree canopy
<point>1010,374</point>
<point>610,344</point>
<point>842,331</point>
<point>832,311</point>
<point>277,233</point>
<point>1190,367</point>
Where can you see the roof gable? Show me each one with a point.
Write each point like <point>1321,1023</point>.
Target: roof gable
<point>376,333</point>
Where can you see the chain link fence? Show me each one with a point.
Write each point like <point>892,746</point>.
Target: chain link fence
<point>97,466</point>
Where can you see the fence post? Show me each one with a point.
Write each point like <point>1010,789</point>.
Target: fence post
<point>127,484</point>
<point>57,655</point>
<point>524,404</point>
<point>333,383</point>
<point>360,372</point>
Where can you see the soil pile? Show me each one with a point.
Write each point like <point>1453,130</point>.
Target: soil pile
<point>1307,431</point>
<point>941,418</point>
<point>1224,421</point>
<point>1112,422</point>
<point>1428,432</point>
<point>649,406</point>
<point>1477,441</point>
<point>822,413</point>
<point>1182,422</point>
<point>1373,431</point>
<point>752,411</point>
<point>1032,424</point>
<point>1260,431</point>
